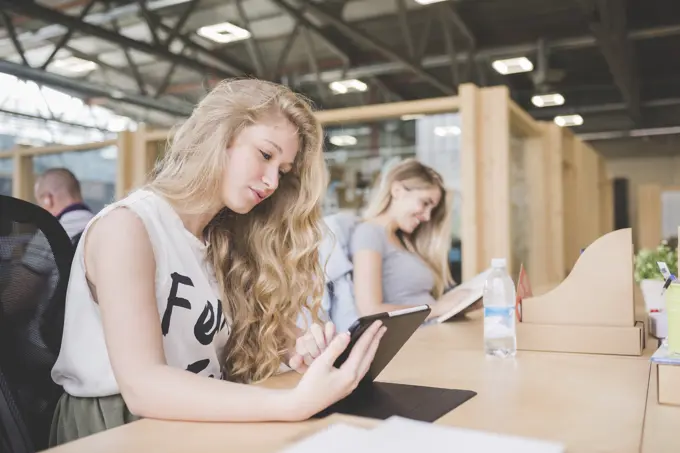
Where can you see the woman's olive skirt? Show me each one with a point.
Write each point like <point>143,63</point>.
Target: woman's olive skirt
<point>77,417</point>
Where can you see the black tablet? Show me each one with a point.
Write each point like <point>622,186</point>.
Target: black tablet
<point>401,324</point>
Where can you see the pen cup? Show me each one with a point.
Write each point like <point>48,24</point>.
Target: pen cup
<point>673,313</point>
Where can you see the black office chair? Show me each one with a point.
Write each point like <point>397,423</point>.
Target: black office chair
<point>32,301</point>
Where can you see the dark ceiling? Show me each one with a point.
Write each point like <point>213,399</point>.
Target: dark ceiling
<point>616,62</point>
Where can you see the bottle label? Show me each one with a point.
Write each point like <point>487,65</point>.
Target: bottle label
<point>499,311</point>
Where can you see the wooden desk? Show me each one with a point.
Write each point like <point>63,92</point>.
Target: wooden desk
<point>591,403</point>
<point>660,434</point>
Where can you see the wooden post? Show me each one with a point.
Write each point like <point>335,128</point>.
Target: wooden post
<point>137,156</point>
<point>144,155</point>
<point>543,160</point>
<point>124,164</point>
<point>23,179</point>
<point>649,216</point>
<point>606,200</point>
<point>485,154</point>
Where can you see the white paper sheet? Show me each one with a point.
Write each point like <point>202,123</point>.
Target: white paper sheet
<point>401,435</point>
<point>336,438</point>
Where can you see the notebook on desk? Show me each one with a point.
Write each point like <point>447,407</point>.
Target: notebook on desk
<point>475,286</point>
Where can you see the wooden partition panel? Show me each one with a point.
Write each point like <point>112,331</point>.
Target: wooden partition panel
<point>485,154</point>
<point>569,190</point>
<point>545,264</point>
<point>606,189</point>
<point>649,213</point>
<point>588,197</point>
<point>138,157</point>
<point>23,180</point>
<point>125,165</point>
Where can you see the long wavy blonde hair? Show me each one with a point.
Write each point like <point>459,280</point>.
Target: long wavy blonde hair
<point>266,261</point>
<point>430,240</point>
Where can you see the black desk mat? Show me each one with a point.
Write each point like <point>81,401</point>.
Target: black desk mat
<point>382,400</point>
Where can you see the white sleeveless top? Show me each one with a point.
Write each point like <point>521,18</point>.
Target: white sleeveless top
<point>187,297</point>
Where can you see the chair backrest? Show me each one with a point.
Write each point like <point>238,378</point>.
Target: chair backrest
<point>75,239</point>
<point>14,435</point>
<point>36,263</point>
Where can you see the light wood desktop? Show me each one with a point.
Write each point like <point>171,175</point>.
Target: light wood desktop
<point>591,403</point>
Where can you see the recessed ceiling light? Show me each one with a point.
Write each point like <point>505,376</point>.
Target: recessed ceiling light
<point>73,65</point>
<point>429,2</point>
<point>345,86</point>
<point>443,131</point>
<point>343,140</point>
<point>547,100</point>
<point>224,32</point>
<point>568,120</point>
<point>513,65</point>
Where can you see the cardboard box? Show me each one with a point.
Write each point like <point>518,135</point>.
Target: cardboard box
<point>582,339</point>
<point>667,388</point>
<point>592,311</point>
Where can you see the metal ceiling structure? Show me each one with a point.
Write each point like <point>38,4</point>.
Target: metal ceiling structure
<point>614,61</point>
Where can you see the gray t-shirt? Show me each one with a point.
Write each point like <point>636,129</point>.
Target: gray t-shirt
<point>406,279</point>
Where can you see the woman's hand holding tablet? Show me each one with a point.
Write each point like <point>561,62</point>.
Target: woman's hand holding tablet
<point>323,384</point>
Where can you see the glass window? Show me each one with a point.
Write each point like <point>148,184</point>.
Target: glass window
<point>28,98</point>
<point>95,169</point>
<point>6,169</point>
<point>358,153</point>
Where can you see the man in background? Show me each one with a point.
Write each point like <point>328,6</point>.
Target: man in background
<point>58,192</point>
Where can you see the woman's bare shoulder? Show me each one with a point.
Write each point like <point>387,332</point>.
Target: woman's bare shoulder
<point>120,236</point>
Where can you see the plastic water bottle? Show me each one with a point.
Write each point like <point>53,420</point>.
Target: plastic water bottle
<point>499,312</point>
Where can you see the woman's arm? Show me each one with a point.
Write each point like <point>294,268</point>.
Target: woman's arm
<point>367,278</point>
<point>368,288</point>
<point>121,266</point>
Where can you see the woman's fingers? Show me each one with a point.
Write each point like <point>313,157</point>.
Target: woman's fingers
<point>318,336</point>
<point>334,349</point>
<point>297,363</point>
<point>329,332</point>
<point>361,347</point>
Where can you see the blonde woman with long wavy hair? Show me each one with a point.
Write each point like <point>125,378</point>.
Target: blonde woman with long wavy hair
<point>189,288</point>
<point>400,249</point>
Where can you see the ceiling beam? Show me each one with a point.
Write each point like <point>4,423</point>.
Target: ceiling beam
<point>363,39</point>
<point>52,16</point>
<point>630,133</point>
<point>551,112</point>
<point>238,69</point>
<point>53,120</point>
<point>608,24</point>
<point>486,54</point>
<point>89,89</point>
<point>343,53</point>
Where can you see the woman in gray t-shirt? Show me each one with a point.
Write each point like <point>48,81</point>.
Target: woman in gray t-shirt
<point>400,249</point>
